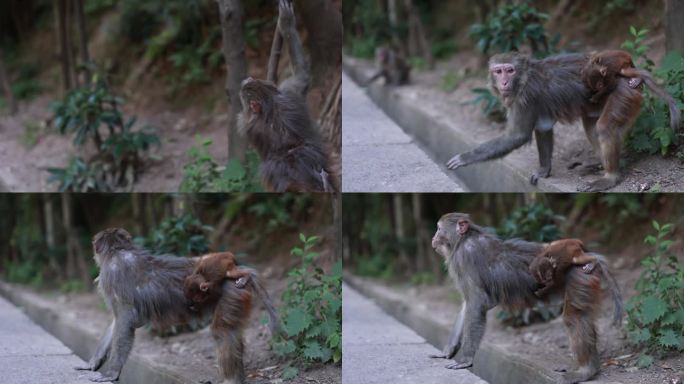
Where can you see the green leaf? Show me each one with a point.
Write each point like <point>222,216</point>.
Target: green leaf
<point>668,338</point>
<point>640,335</point>
<point>297,321</point>
<point>289,373</point>
<point>652,309</point>
<point>644,361</point>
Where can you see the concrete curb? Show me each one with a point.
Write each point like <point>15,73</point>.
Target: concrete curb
<point>492,362</point>
<point>441,140</point>
<point>83,339</point>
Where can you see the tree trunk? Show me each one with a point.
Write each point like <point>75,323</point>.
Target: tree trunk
<point>49,215</point>
<point>83,41</point>
<point>400,230</point>
<point>674,14</point>
<point>68,234</point>
<point>323,21</point>
<point>330,120</point>
<point>236,70</point>
<point>75,254</point>
<point>137,213</point>
<point>393,15</point>
<point>7,88</point>
<point>417,36</point>
<point>71,10</point>
<point>62,38</point>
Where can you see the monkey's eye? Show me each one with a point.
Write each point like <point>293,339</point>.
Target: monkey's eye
<point>498,71</point>
<point>510,70</point>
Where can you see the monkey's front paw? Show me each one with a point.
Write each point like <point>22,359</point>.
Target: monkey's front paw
<point>634,82</point>
<point>437,356</point>
<point>461,364</point>
<point>241,282</point>
<point>104,378</point>
<point>456,161</point>
<point>286,15</point>
<point>88,367</point>
<point>588,268</point>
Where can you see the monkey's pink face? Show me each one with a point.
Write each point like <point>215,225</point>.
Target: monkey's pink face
<point>503,77</point>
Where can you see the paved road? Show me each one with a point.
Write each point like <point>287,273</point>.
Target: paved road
<point>377,156</point>
<point>376,348</point>
<point>28,354</point>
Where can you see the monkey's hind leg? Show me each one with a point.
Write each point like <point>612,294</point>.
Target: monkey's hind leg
<point>544,140</point>
<point>581,302</point>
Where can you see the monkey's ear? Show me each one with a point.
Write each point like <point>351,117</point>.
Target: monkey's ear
<point>204,287</point>
<point>463,226</point>
<point>255,106</point>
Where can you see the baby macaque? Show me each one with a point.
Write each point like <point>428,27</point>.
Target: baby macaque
<point>601,72</point>
<point>209,273</point>
<point>550,265</point>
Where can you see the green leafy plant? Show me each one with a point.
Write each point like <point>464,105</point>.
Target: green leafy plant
<point>534,222</point>
<point>80,176</point>
<point>312,310</point>
<point>86,112</point>
<point>181,235</point>
<point>652,132</point>
<point>203,174</point>
<point>491,105</point>
<point>656,313</point>
<point>512,25</point>
<point>280,212</point>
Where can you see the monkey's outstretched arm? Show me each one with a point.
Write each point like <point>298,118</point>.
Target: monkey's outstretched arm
<point>519,132</point>
<point>473,330</point>
<point>102,351</point>
<point>376,76</point>
<point>122,342</point>
<point>299,83</point>
<point>454,343</point>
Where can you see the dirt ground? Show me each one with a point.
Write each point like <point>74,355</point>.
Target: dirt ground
<point>196,352</point>
<point>547,342</point>
<point>25,159</point>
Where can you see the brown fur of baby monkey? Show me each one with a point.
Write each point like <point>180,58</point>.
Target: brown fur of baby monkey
<point>550,265</point>
<point>603,69</point>
<point>210,273</point>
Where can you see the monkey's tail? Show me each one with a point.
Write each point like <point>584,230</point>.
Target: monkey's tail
<point>614,290</point>
<point>675,113</point>
<point>274,320</point>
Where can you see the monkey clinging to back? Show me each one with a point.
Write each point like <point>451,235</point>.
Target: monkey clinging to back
<point>211,270</point>
<point>549,267</point>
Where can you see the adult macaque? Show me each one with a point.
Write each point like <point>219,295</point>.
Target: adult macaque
<point>539,93</point>
<point>278,125</point>
<point>549,267</point>
<point>601,72</point>
<point>210,273</point>
<point>142,288</point>
<point>489,271</point>
<point>391,66</point>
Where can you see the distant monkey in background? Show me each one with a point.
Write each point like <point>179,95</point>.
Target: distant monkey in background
<point>391,66</point>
